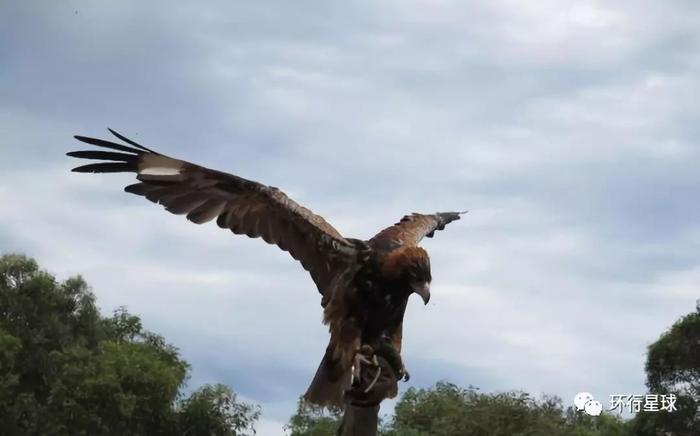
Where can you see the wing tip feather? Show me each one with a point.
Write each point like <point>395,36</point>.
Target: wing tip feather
<point>129,141</point>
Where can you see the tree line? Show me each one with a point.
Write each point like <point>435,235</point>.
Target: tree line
<point>67,370</point>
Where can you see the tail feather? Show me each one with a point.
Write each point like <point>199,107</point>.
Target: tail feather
<point>326,390</point>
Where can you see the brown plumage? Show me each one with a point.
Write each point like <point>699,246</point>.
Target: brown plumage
<point>364,285</point>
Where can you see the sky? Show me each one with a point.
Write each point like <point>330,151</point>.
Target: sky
<point>568,129</point>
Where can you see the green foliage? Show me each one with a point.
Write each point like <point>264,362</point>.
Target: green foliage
<point>673,366</point>
<point>64,369</point>
<point>447,409</point>
<point>311,420</point>
<point>673,361</point>
<point>9,379</point>
<point>214,410</point>
<point>580,424</point>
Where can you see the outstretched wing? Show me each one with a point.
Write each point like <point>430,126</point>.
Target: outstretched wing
<point>412,228</point>
<point>240,205</point>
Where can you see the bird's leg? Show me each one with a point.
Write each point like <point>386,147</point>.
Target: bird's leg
<point>378,378</point>
<point>363,356</point>
<point>388,350</point>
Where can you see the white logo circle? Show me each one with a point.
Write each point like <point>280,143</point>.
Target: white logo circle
<point>593,408</point>
<point>581,399</point>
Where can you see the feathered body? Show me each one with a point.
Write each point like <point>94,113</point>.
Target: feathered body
<point>365,285</point>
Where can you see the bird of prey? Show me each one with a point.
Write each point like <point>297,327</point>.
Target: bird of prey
<point>364,285</point>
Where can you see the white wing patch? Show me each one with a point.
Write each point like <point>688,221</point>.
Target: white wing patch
<point>159,171</point>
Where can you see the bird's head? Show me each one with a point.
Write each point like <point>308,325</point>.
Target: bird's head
<point>410,267</point>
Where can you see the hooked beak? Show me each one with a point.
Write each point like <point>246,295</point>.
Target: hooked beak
<point>422,289</point>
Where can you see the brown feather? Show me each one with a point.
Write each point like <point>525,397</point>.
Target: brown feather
<point>207,211</point>
<point>395,262</point>
<point>412,228</point>
<point>185,203</point>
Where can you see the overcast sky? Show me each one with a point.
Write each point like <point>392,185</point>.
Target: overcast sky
<point>569,131</point>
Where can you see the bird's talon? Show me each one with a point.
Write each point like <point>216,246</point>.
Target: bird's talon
<point>355,377</point>
<point>361,359</point>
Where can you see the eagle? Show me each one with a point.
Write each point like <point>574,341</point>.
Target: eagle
<point>364,284</point>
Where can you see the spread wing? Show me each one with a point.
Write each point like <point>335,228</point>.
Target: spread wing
<point>240,205</point>
<point>412,228</point>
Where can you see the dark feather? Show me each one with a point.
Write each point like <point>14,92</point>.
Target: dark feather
<point>129,141</point>
<point>142,188</point>
<point>164,193</point>
<point>105,168</point>
<point>185,203</point>
<point>107,144</point>
<point>207,211</point>
<point>223,219</point>
<point>103,155</point>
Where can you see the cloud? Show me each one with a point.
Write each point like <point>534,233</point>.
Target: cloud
<point>568,131</point>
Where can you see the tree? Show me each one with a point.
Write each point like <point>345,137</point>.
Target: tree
<point>312,420</point>
<point>65,369</point>
<point>673,367</point>
<point>448,410</point>
<point>213,410</point>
